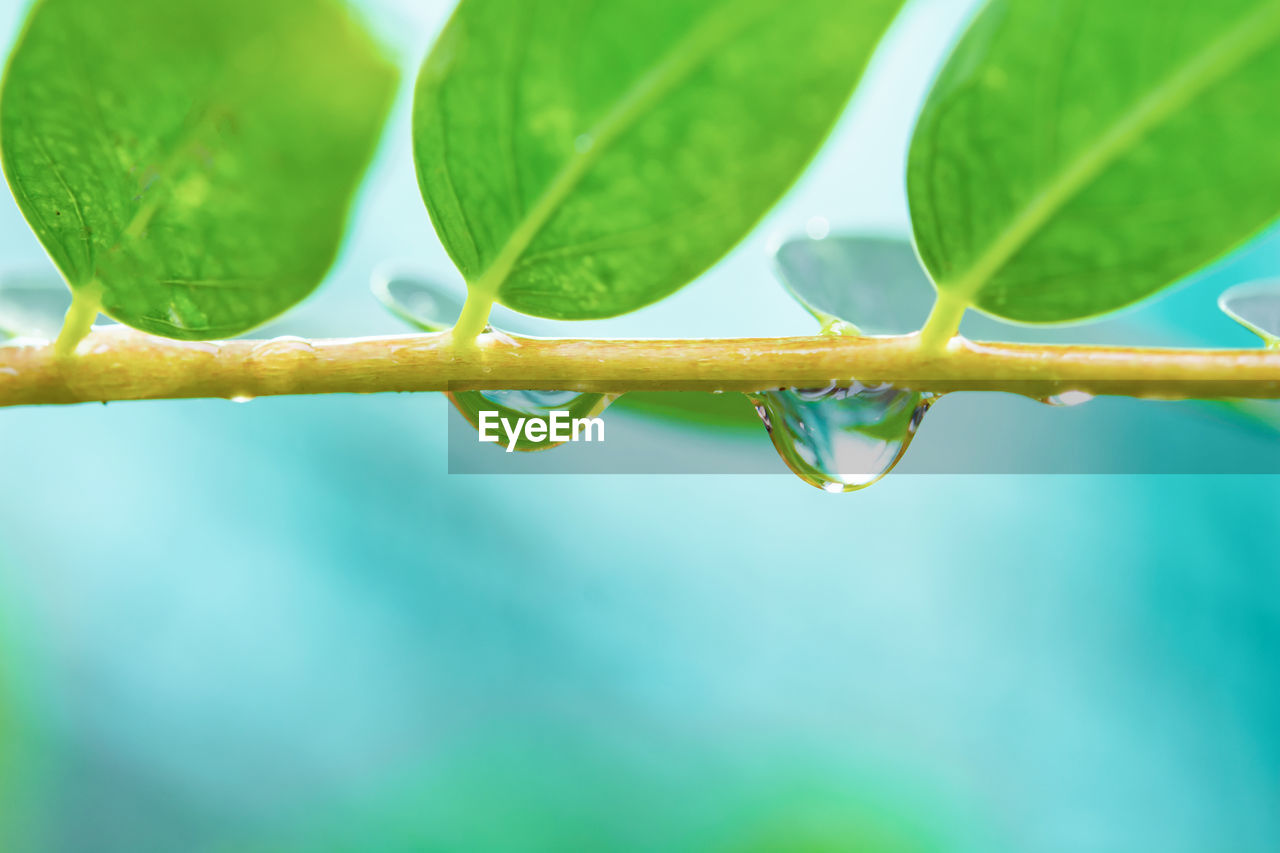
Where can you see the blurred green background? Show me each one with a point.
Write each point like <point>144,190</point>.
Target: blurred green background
<point>283,626</point>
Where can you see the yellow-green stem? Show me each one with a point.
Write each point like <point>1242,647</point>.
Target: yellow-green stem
<point>86,302</point>
<point>944,321</point>
<point>120,364</point>
<point>474,317</point>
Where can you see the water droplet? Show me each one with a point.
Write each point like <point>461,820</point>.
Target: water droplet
<point>209,347</point>
<point>283,346</point>
<point>835,328</point>
<point>497,337</point>
<point>537,405</point>
<point>1068,398</point>
<point>241,398</point>
<point>817,228</point>
<point>842,437</point>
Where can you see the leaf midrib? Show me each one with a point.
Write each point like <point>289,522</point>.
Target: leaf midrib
<point>1217,60</point>
<point>714,29</point>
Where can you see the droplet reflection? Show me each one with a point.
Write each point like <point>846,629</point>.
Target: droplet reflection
<point>842,438</point>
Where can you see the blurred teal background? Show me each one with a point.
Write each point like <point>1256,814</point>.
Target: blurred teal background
<point>282,626</point>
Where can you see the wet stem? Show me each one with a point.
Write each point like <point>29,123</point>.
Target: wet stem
<point>120,364</point>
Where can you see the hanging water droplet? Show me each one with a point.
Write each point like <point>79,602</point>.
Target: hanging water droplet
<point>842,437</point>
<point>535,405</point>
<point>1068,398</point>
<point>242,398</point>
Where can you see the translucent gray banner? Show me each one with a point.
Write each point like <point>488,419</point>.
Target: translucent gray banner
<point>961,433</point>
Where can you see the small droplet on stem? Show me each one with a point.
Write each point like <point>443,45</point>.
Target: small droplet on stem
<point>1067,398</point>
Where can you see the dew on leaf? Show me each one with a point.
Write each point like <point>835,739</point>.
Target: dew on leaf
<point>842,437</point>
<point>1256,306</point>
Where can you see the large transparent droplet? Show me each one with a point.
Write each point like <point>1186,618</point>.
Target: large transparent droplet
<point>842,437</point>
<point>1256,306</point>
<point>536,405</point>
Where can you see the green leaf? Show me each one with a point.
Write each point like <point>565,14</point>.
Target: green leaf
<point>419,300</point>
<point>1076,156</point>
<point>873,282</point>
<point>582,159</point>
<point>1256,306</point>
<point>32,305</point>
<point>432,303</point>
<point>193,161</point>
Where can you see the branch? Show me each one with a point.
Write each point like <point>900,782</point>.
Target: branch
<point>119,364</point>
